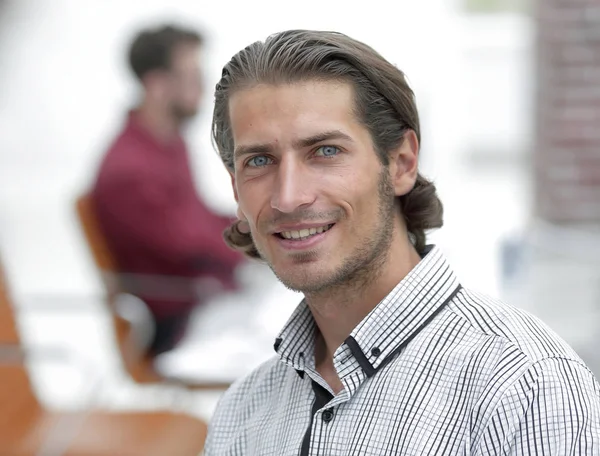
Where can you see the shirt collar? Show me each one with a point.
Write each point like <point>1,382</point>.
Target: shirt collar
<point>387,328</point>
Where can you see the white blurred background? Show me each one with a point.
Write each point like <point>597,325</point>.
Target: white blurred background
<point>65,88</point>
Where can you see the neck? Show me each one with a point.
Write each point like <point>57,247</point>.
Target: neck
<point>338,311</point>
<point>158,120</point>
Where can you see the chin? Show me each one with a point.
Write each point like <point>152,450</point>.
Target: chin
<point>303,283</point>
<point>302,273</point>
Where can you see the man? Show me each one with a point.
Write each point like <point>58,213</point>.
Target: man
<point>162,234</point>
<point>387,354</point>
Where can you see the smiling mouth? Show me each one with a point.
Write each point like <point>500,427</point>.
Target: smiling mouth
<point>301,235</point>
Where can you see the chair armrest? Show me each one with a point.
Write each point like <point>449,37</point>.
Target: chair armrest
<point>127,306</point>
<point>66,427</point>
<point>133,310</point>
<point>158,286</point>
<point>200,386</point>
<point>11,354</point>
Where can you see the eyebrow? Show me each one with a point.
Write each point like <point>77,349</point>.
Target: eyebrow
<point>300,143</point>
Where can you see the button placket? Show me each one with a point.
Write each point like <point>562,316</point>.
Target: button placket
<point>327,415</point>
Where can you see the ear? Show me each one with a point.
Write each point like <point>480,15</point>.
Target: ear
<point>153,80</point>
<point>403,165</point>
<point>156,85</point>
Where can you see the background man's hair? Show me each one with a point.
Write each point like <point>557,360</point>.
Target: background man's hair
<point>152,49</point>
<point>384,103</point>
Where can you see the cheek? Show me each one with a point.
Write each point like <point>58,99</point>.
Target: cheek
<point>362,197</point>
<point>192,96</point>
<point>249,204</point>
<point>243,211</point>
<point>254,193</point>
<point>187,93</point>
<point>240,214</point>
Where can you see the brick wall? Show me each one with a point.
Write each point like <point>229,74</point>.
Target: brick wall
<point>567,140</point>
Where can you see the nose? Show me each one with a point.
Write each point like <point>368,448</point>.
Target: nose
<point>294,187</point>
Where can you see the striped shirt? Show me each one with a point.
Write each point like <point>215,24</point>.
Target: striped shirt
<point>434,369</point>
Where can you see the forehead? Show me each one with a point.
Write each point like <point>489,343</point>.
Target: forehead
<point>266,113</point>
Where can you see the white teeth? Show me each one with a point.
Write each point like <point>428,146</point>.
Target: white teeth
<point>304,233</point>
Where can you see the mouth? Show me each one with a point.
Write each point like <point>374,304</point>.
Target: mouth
<point>303,234</point>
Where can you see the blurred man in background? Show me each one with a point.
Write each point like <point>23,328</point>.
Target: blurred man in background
<point>161,233</point>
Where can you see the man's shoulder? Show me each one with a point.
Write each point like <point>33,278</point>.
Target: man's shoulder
<point>260,389</point>
<point>520,361</point>
<point>516,329</point>
<point>126,163</point>
<point>124,148</point>
<point>264,380</point>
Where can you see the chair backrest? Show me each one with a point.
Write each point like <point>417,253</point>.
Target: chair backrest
<point>138,366</point>
<point>18,402</point>
<point>8,325</point>
<point>97,243</point>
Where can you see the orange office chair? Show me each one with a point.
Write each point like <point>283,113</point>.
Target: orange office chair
<point>27,428</point>
<point>129,332</point>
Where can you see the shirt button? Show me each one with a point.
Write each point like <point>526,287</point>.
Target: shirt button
<point>327,415</point>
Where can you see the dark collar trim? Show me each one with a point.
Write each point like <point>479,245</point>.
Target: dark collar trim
<point>364,362</point>
<point>393,354</point>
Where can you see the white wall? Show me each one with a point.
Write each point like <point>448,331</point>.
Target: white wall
<point>64,89</point>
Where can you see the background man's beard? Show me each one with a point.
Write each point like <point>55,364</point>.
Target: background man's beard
<point>182,115</point>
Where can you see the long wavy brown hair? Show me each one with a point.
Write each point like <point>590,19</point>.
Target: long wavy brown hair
<point>384,103</point>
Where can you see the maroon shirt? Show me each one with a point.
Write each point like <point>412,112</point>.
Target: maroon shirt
<point>154,221</point>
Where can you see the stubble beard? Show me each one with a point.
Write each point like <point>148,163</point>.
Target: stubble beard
<point>183,115</point>
<point>364,264</point>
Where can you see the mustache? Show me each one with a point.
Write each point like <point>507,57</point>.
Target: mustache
<point>301,216</point>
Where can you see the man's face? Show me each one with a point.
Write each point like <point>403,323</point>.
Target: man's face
<point>307,178</point>
<point>185,81</point>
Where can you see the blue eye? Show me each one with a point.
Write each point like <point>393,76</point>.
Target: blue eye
<point>327,151</point>
<point>259,161</point>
